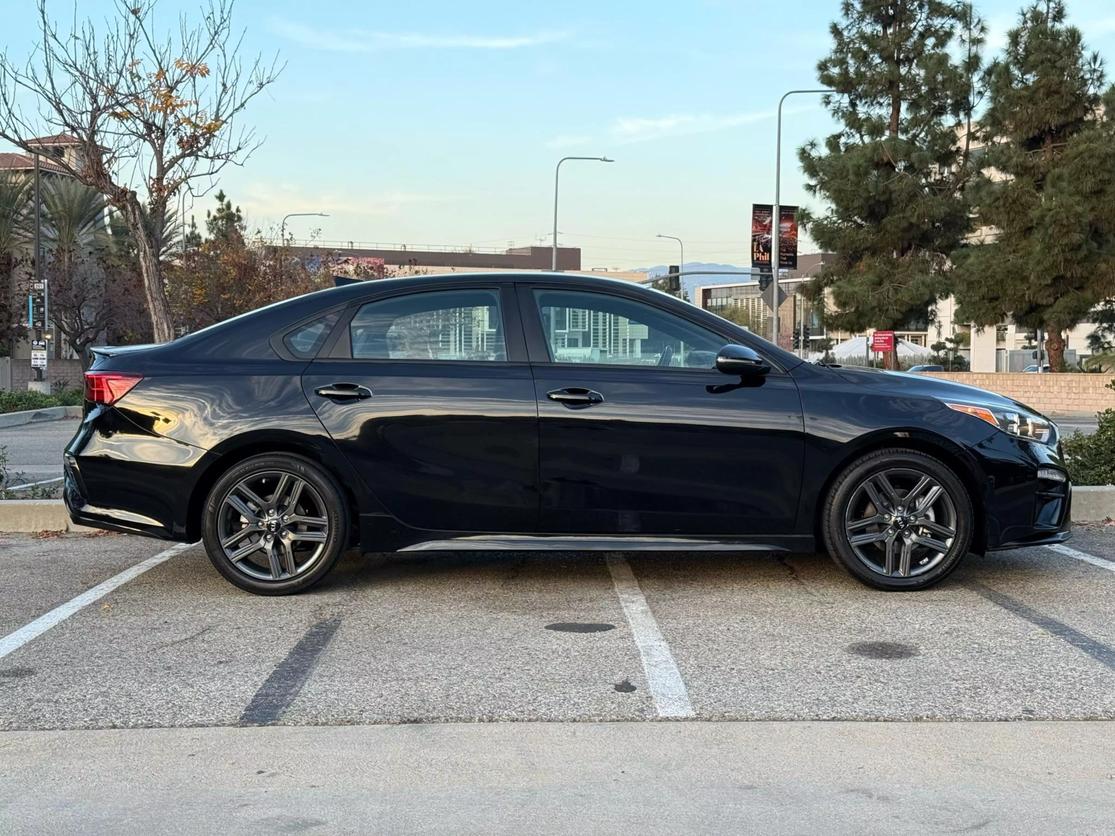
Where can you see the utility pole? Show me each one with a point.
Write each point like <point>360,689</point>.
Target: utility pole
<point>37,301</point>
<point>775,220</point>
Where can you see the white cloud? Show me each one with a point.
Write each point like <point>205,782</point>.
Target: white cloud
<point>629,129</point>
<point>363,40</point>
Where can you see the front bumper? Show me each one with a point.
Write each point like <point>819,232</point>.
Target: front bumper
<point>1027,493</point>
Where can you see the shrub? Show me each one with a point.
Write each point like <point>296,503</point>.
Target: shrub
<point>19,401</point>
<point>1091,458</point>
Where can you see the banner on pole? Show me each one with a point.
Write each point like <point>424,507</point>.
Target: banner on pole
<point>761,241</point>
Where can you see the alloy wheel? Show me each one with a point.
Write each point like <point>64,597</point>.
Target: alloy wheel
<point>900,522</point>
<point>273,526</point>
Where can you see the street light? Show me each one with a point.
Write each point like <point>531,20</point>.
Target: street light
<point>282,226</point>
<point>557,172</point>
<point>776,220</point>
<point>681,264</point>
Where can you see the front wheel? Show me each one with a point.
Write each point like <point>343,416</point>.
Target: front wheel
<point>275,524</point>
<point>898,520</point>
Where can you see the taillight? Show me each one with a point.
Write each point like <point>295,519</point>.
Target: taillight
<point>109,387</point>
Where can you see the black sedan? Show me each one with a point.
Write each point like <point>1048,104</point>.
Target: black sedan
<point>544,412</point>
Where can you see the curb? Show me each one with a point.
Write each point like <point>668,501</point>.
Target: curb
<point>1093,503</point>
<point>26,516</point>
<point>35,416</point>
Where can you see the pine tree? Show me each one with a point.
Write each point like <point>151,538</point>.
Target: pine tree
<point>902,74</point>
<point>1046,197</point>
<point>226,223</point>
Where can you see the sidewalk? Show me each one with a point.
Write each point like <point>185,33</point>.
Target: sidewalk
<point>654,777</point>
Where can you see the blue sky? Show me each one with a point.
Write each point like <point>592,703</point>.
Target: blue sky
<point>440,122</point>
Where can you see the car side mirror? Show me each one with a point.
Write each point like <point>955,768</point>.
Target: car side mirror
<point>741,361</point>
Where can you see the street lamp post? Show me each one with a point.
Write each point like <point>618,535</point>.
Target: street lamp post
<point>282,226</point>
<point>557,173</point>
<point>776,220</point>
<point>282,237</point>
<point>681,264</point>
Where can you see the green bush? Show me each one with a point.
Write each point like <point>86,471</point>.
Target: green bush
<point>19,401</point>
<point>1091,458</point>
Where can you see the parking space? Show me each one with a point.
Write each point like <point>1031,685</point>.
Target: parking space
<point>552,636</point>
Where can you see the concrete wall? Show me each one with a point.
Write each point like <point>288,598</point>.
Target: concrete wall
<point>14,374</point>
<point>1056,394</point>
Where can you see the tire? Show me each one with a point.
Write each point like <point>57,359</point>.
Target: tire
<point>887,540</point>
<point>286,506</point>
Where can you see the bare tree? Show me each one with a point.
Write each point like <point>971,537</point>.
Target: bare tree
<point>152,114</point>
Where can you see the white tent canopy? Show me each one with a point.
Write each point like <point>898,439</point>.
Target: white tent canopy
<point>856,348</point>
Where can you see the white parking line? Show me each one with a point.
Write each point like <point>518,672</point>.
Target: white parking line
<point>663,677</point>
<point>14,641</point>
<point>35,484</point>
<point>1079,555</point>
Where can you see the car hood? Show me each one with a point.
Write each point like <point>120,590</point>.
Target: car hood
<point>925,385</point>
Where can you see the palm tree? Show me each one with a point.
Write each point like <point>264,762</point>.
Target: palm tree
<point>14,191</point>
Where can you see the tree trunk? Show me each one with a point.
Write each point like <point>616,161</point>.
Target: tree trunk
<point>154,288</point>
<point>1055,348</point>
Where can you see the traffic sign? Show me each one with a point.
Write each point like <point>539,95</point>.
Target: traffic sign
<point>38,358</point>
<point>882,341</point>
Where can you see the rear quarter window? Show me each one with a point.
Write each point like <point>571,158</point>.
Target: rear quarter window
<point>306,340</point>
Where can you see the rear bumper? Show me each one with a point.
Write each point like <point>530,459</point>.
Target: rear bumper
<point>120,478</point>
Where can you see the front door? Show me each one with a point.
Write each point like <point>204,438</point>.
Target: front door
<point>429,395</point>
<point>640,434</point>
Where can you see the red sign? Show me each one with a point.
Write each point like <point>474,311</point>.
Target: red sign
<point>882,341</point>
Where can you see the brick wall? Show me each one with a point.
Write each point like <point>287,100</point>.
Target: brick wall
<point>1056,394</point>
<point>17,372</point>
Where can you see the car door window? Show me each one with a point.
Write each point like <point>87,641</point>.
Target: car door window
<point>439,325</point>
<point>587,327</point>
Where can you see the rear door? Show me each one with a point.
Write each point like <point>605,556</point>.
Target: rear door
<point>429,395</point>
<point>638,431</point>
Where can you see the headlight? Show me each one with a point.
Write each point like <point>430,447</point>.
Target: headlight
<point>1016,422</point>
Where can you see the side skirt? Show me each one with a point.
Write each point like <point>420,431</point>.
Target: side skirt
<point>522,542</point>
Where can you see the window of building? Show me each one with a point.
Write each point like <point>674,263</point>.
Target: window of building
<point>585,327</point>
<point>440,325</point>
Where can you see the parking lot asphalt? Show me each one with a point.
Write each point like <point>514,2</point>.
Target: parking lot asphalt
<point>34,451</point>
<point>393,639</point>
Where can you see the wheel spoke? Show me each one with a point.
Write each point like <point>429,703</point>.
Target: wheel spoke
<point>244,551</point>
<point>911,497</point>
<point>291,505</point>
<point>904,560</point>
<point>927,501</point>
<point>288,558</point>
<point>888,490</point>
<point>856,525</point>
<point>938,529</point>
<point>869,537</point>
<point>236,537</point>
<point>280,489</point>
<point>252,497</point>
<point>273,562</point>
<point>930,543</point>
<point>876,500</point>
<point>309,536</point>
<point>888,566</point>
<point>294,519</point>
<point>244,511</point>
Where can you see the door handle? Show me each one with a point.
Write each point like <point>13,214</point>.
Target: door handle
<point>575,397</point>
<point>344,391</point>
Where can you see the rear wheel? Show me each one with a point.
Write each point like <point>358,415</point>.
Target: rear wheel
<point>275,524</point>
<point>898,519</point>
